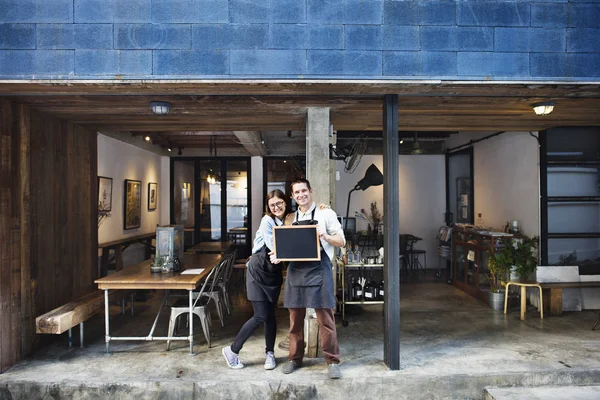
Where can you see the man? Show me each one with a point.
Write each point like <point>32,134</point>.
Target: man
<point>310,284</point>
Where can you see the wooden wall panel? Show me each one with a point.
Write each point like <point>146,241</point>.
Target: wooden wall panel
<point>48,230</point>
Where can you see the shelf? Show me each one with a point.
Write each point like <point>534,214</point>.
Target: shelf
<point>363,266</point>
<point>365,302</point>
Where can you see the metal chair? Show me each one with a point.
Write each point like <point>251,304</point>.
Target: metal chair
<point>215,292</point>
<point>199,307</point>
<point>223,283</point>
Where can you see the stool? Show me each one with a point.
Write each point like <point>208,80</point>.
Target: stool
<point>414,261</point>
<point>524,286</point>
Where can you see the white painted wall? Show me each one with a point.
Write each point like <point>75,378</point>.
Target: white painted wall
<point>120,161</point>
<point>506,176</point>
<point>422,196</point>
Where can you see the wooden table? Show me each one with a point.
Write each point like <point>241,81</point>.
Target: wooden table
<point>211,247</point>
<point>140,277</point>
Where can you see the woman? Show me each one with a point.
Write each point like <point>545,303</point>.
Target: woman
<point>263,284</point>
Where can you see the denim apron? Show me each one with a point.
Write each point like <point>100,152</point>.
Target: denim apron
<point>263,279</point>
<point>309,283</point>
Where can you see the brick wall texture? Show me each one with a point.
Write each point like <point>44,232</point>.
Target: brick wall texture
<point>341,39</point>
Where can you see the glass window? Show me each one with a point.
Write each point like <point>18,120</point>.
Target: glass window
<point>281,172</point>
<point>237,201</point>
<point>579,251</point>
<point>209,186</point>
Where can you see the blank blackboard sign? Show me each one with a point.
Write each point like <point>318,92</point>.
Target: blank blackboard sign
<point>296,243</point>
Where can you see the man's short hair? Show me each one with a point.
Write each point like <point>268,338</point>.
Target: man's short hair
<point>300,180</point>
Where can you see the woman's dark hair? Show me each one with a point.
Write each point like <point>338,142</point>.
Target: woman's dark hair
<point>280,195</point>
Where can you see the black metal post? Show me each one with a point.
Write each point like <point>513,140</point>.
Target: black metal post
<point>391,335</point>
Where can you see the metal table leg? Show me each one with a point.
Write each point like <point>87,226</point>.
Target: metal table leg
<point>106,323</point>
<point>191,324</point>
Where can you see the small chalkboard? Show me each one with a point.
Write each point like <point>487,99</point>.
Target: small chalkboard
<point>296,243</point>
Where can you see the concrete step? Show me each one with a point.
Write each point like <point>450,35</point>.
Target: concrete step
<point>543,393</point>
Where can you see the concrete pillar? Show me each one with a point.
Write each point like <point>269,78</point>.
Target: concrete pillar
<point>318,166</point>
<point>319,172</point>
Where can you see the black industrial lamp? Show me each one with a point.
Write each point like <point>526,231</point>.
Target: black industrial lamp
<point>373,177</point>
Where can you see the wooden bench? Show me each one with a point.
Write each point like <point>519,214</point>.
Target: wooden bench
<point>550,294</point>
<point>554,293</point>
<point>76,312</point>
<point>119,246</point>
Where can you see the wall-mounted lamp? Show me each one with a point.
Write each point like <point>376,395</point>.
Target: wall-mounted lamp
<point>543,108</point>
<point>160,107</point>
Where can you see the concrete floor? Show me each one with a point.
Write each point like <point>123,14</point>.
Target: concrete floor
<point>452,346</point>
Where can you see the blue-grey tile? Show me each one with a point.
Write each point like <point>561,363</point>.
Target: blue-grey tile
<point>322,62</point>
<point>548,64</point>
<point>250,11</point>
<point>36,62</point>
<point>131,11</point>
<point>153,36</point>
<point>352,63</point>
<point>17,36</point>
<point>229,36</point>
<point>401,13</point>
<point>439,63</point>
<point>74,36</point>
<point>428,12</point>
<point>113,62</point>
<point>325,37</point>
<point>268,62</point>
<point>585,65</point>
<point>584,15</point>
<point>345,12</point>
<point>288,36</point>
<point>530,40</point>
<point>397,37</point>
<point>495,65</point>
<point>475,38</point>
<point>583,40</point>
<point>38,11</point>
<point>435,12</point>
<point>439,38</point>
<point>493,13</point>
<point>289,11</point>
<point>191,62</point>
<point>550,15</point>
<point>402,63</point>
<point>190,11</point>
<point>363,37</point>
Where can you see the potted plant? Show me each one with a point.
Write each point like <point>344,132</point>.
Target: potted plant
<point>526,256</point>
<point>499,267</point>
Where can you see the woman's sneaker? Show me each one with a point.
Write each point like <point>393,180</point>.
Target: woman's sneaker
<point>233,360</point>
<point>270,362</point>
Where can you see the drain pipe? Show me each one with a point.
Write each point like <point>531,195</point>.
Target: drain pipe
<point>472,142</point>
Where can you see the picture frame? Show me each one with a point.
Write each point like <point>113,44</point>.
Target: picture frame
<point>152,195</point>
<point>104,193</point>
<point>296,243</point>
<point>132,200</point>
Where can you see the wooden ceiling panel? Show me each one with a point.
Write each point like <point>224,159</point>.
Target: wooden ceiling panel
<point>220,107</point>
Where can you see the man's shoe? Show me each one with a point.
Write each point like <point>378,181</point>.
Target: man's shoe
<point>270,362</point>
<point>291,366</point>
<point>232,359</point>
<point>334,371</point>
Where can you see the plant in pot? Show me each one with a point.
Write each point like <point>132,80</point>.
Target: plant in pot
<point>499,267</point>
<point>526,256</point>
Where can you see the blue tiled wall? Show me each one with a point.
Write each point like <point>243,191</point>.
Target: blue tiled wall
<point>345,39</point>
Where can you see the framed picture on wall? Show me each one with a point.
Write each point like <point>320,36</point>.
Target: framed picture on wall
<point>132,210</point>
<point>104,193</point>
<point>152,195</point>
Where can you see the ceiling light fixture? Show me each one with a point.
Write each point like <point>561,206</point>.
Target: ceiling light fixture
<point>147,138</point>
<point>160,107</point>
<point>169,147</point>
<point>180,152</point>
<point>416,146</point>
<point>543,108</point>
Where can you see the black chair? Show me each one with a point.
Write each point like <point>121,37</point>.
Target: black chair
<point>404,256</point>
<point>413,255</point>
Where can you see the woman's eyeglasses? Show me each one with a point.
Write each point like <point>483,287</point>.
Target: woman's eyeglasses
<point>279,204</point>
